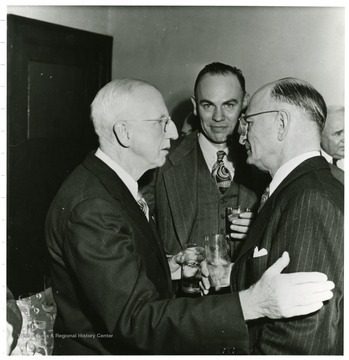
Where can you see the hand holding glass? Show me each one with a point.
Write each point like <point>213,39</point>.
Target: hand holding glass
<point>238,222</point>
<point>191,270</point>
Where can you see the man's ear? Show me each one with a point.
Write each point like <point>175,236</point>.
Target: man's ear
<point>283,124</point>
<point>193,101</point>
<point>122,134</point>
<point>245,101</point>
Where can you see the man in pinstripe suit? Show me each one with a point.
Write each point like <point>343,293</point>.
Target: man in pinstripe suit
<point>303,214</point>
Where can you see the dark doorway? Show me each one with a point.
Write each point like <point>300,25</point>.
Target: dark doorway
<point>54,72</point>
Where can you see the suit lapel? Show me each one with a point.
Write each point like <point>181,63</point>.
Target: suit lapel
<point>182,176</point>
<point>146,229</point>
<point>119,190</point>
<point>263,217</point>
<point>257,228</point>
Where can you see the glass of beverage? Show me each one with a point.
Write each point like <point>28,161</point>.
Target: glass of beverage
<point>191,269</point>
<point>218,260</point>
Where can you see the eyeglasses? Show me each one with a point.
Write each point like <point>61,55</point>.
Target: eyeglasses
<point>165,120</point>
<point>245,124</point>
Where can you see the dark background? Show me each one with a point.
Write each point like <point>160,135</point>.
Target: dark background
<point>54,72</point>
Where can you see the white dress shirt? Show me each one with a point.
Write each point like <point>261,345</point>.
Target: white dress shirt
<point>286,168</point>
<point>210,154</point>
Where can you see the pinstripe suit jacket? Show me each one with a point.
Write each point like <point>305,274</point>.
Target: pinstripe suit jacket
<point>177,195</point>
<point>305,217</point>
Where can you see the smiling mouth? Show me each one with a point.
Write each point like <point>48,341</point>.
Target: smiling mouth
<point>218,128</point>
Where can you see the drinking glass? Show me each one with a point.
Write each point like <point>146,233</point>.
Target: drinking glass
<point>191,269</point>
<point>218,260</point>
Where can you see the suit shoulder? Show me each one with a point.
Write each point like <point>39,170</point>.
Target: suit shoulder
<point>184,142</point>
<point>180,148</point>
<point>317,186</point>
<point>80,185</point>
<point>337,173</point>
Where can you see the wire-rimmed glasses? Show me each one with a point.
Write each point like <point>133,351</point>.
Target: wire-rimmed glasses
<point>245,124</point>
<point>164,120</point>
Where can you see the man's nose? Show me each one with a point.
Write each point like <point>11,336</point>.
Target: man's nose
<point>171,131</point>
<point>218,115</point>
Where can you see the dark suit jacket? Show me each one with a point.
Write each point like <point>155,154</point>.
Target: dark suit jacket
<point>176,189</point>
<point>111,279</point>
<point>304,216</point>
<point>337,173</point>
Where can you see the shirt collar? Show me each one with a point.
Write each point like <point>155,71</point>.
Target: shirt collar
<point>286,168</point>
<point>126,178</point>
<point>209,151</point>
<point>328,157</point>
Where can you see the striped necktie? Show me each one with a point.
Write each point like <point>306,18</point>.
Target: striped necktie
<point>264,198</point>
<point>221,173</point>
<point>143,205</point>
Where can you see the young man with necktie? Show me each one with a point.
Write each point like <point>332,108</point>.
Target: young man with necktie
<point>206,171</point>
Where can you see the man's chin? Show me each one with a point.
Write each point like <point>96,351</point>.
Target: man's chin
<point>217,139</point>
<point>161,162</point>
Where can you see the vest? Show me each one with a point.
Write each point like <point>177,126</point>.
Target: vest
<point>210,216</point>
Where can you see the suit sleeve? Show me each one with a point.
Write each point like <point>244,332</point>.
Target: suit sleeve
<point>99,247</point>
<point>311,230</point>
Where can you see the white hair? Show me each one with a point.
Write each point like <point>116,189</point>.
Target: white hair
<point>109,103</point>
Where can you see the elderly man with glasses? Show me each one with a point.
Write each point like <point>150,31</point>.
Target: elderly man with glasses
<point>302,213</point>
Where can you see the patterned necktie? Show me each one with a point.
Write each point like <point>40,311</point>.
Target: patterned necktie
<point>221,173</point>
<point>143,205</point>
<point>264,198</point>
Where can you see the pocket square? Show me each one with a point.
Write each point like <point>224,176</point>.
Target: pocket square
<point>259,253</point>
